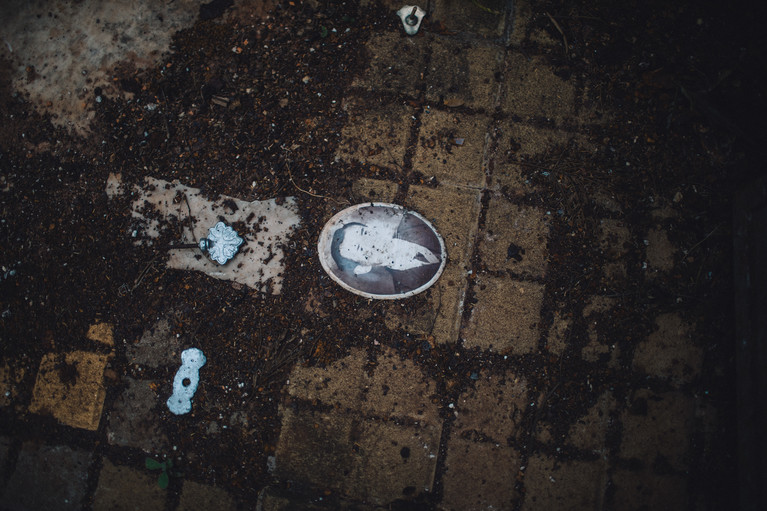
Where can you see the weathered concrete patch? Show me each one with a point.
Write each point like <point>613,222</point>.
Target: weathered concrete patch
<point>660,251</point>
<point>374,190</point>
<point>48,477</point>
<point>397,63</point>
<point>454,213</point>
<point>451,148</point>
<point>656,429</point>
<point>158,345</point>
<point>463,73</point>
<point>119,486</point>
<point>533,91</point>
<point>72,47</point>
<point>195,496</point>
<point>493,409</point>
<point>362,458</point>
<point>486,18</point>
<point>396,387</point>
<point>134,420</point>
<point>479,475</point>
<point>71,388</point>
<point>375,134</point>
<point>506,317</point>
<point>101,332</point>
<point>515,238</point>
<point>264,225</point>
<point>670,352</point>
<point>554,484</point>
<point>635,491</point>
<point>588,432</point>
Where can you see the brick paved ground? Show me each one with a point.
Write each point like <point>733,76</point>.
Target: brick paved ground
<point>370,436</point>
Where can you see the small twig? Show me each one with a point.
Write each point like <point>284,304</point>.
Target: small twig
<point>564,37</point>
<point>701,241</point>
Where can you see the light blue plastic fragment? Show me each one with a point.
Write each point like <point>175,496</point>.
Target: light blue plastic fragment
<point>186,380</point>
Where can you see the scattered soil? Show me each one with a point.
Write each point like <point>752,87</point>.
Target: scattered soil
<point>255,110</point>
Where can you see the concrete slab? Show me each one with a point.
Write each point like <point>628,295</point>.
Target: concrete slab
<point>660,252</point>
<point>656,429</point>
<point>554,484</point>
<point>614,238</point>
<point>71,388</point>
<point>122,488</point>
<point>397,63</point>
<point>479,475</point>
<point>635,491</point>
<point>506,316</point>
<point>534,92</point>
<point>454,213</point>
<point>588,432</point>
<point>515,238</point>
<point>134,420</point>
<point>363,459</point>
<point>596,312</point>
<point>559,333</point>
<point>376,133</point>
<point>264,225</point>
<point>48,477</point>
<point>486,18</point>
<point>493,408</point>
<point>396,387</point>
<point>374,190</point>
<point>452,148</point>
<point>72,48</point>
<point>463,72</point>
<point>102,333</point>
<point>195,496</point>
<point>670,351</point>
<point>157,347</point>
<point>11,377</point>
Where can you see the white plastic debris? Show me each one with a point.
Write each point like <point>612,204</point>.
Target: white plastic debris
<point>186,380</point>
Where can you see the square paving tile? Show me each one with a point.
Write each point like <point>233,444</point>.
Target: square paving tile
<point>486,18</point>
<point>48,477</point>
<point>463,73</point>
<point>534,91</point>
<point>554,484</point>
<point>396,387</point>
<point>589,431</point>
<point>376,133</point>
<point>374,190</point>
<point>670,351</point>
<point>397,63</point>
<point>479,476</point>
<point>134,420</point>
<point>196,496</point>
<point>639,491</point>
<point>515,238</point>
<point>452,148</point>
<point>493,408</point>
<point>101,332</point>
<point>454,213</point>
<point>123,488</point>
<point>656,428</point>
<point>71,389</point>
<point>364,459</point>
<point>506,315</point>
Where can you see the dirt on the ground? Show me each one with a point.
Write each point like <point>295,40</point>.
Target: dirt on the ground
<point>255,110</point>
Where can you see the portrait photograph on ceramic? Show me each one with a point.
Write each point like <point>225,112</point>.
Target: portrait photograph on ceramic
<point>381,251</point>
